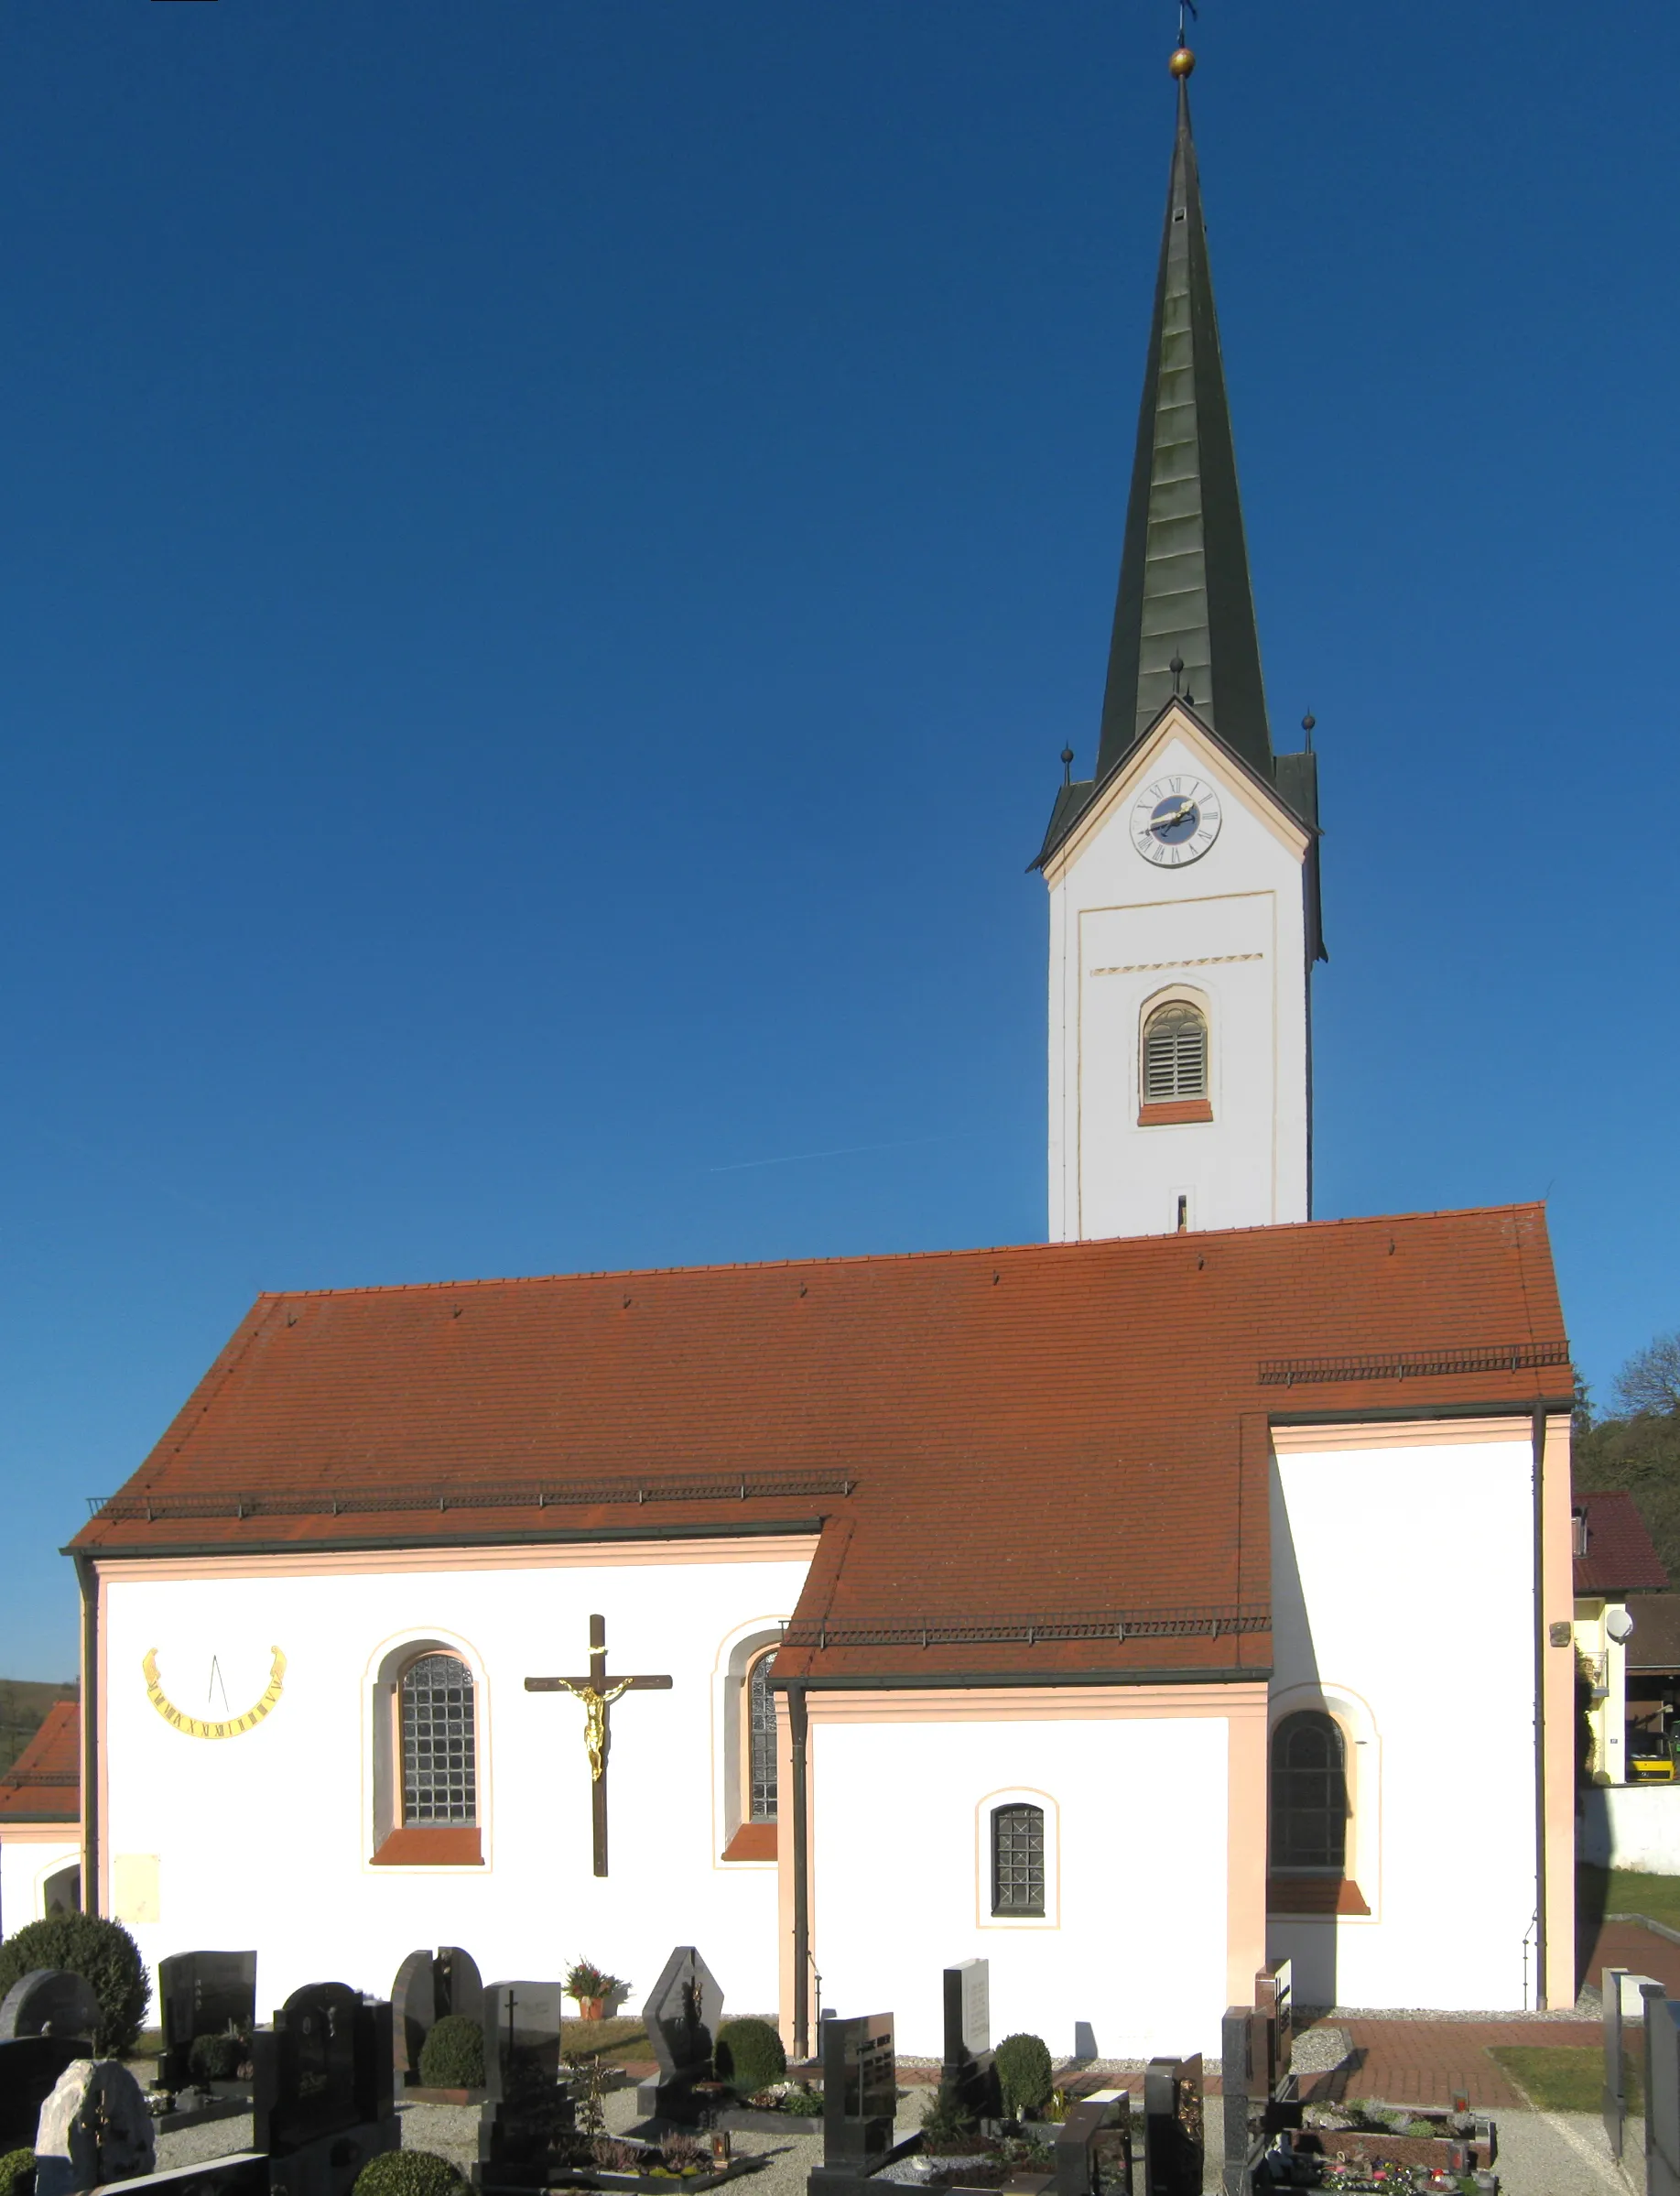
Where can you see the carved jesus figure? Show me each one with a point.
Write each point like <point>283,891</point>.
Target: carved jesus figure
<point>595,1706</point>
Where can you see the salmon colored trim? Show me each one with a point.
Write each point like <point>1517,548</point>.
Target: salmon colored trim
<point>1314,1894</point>
<point>752,1841</point>
<point>1557,1713</point>
<point>423,1846</point>
<point>1399,1433</point>
<point>66,1834</point>
<point>1172,1112</point>
<point>1245,1844</point>
<point>1234,785</point>
<point>1039,1703</point>
<point>559,1555</point>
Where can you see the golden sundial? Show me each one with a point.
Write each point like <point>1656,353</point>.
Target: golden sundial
<point>203,1726</point>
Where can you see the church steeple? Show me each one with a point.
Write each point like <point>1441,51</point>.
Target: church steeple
<point>1184,622</point>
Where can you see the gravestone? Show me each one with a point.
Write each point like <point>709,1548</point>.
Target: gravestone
<point>1173,2137</point>
<point>29,2070</point>
<point>1086,2130</point>
<point>94,2128</point>
<point>860,2091</point>
<point>1237,2081</point>
<point>1614,2101</point>
<point>682,2012</point>
<point>201,1994</point>
<point>324,2099</point>
<point>1274,2006</point>
<point>966,2068</point>
<point>1662,2093</point>
<point>49,2001</point>
<point>428,1986</point>
<point>525,2104</point>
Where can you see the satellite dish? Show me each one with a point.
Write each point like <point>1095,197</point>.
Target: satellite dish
<point>1618,1624</point>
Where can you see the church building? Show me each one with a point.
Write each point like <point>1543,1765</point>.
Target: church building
<point>1191,1588</point>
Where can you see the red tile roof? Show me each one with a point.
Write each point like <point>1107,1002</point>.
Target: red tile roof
<point>1618,1557</point>
<point>44,1783</point>
<point>1051,1459</point>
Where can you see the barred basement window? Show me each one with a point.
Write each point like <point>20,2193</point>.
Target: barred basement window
<point>1018,1860</point>
<point>761,1742</point>
<point>1174,1053</point>
<point>440,1749</point>
<point>1310,1794</point>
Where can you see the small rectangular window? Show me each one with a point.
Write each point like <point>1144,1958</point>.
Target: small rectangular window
<point>1018,1860</point>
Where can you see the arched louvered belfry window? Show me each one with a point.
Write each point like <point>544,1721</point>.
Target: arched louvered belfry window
<point>1174,1053</point>
<point>439,1744</point>
<point>1310,1794</point>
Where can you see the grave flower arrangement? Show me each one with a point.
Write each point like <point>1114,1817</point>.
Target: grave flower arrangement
<point>591,1986</point>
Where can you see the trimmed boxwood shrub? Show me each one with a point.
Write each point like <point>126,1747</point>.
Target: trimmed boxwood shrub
<point>452,2057</point>
<point>17,2173</point>
<point>215,2058</point>
<point>749,2056</point>
<point>412,2172</point>
<point>101,1950</point>
<point>1023,2066</point>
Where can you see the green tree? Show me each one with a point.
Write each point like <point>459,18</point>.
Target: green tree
<point>1639,1449</point>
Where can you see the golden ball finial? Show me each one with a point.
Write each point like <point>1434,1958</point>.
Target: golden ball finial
<point>1182,62</point>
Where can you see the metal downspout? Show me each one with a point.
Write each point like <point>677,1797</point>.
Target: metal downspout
<point>87,1578</point>
<point>1542,1950</point>
<point>799,1725</point>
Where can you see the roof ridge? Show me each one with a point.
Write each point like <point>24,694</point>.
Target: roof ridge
<point>976,1250</point>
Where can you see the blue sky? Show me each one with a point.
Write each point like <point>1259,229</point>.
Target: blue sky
<point>551,551</point>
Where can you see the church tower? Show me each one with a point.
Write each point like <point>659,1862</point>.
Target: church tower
<point>1183,873</point>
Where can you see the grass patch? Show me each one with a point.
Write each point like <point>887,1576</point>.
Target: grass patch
<point>605,2038</point>
<point>1570,2077</point>
<point>1627,1891</point>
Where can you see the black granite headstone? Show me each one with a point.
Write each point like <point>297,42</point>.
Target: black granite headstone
<point>1089,2150</point>
<point>860,2089</point>
<point>29,2070</point>
<point>683,2012</point>
<point>428,1986</point>
<point>525,2104</point>
<point>49,2001</point>
<point>323,2090</point>
<point>201,1994</point>
<point>1173,2137</point>
<point>965,2071</point>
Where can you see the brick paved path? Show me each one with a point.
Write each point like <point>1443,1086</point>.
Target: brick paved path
<point>1627,1944</point>
<point>1424,2062</point>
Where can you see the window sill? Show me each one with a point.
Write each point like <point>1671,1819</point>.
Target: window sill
<point>752,1841</point>
<point>1315,1896</point>
<point>426,1848</point>
<point>1174,1112</point>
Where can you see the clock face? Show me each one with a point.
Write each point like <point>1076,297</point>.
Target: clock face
<point>1176,820</point>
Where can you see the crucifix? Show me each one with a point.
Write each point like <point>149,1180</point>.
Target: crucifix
<point>597,1697</point>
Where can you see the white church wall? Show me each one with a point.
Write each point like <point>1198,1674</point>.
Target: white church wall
<point>27,1864</point>
<point>1403,1601</point>
<point>1122,930</point>
<point>1133,1940</point>
<point>265,1838</point>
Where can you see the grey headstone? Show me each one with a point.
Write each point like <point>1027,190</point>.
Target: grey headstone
<point>414,2010</point>
<point>682,2012</point>
<point>1614,2101</point>
<point>49,2001</point>
<point>94,2128</point>
<point>967,2011</point>
<point>202,1994</point>
<point>860,2089</point>
<point>521,2039</point>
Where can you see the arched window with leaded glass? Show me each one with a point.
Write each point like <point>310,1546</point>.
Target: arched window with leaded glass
<point>1018,1859</point>
<point>1174,1062</point>
<point>439,1744</point>
<point>1310,1794</point>
<point>761,1742</point>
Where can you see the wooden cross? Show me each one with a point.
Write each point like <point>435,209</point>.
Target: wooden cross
<point>597,1697</point>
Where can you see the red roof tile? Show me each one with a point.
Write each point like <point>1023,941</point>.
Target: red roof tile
<point>44,1783</point>
<point>1618,1556</point>
<point>1057,1443</point>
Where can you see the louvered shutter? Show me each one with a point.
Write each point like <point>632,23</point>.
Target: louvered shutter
<point>1175,1055</point>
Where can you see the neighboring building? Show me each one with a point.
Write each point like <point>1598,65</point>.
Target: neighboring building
<point>1121,1610</point>
<point>40,1835</point>
<point>1654,1687</point>
<point>1614,1560</point>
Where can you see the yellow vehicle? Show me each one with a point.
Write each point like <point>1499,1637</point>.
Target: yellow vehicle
<point>1650,1766</point>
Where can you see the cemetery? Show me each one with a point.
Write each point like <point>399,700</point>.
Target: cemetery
<point>316,2097</point>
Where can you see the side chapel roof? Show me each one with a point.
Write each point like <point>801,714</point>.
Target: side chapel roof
<point>44,1783</point>
<point>1047,1461</point>
<point>1614,1553</point>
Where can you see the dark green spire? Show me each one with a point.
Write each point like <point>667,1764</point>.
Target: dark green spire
<point>1184,573</point>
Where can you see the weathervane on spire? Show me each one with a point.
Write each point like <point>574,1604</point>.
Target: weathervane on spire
<point>1183,59</point>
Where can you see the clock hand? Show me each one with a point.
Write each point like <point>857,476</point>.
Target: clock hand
<point>1161,823</point>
